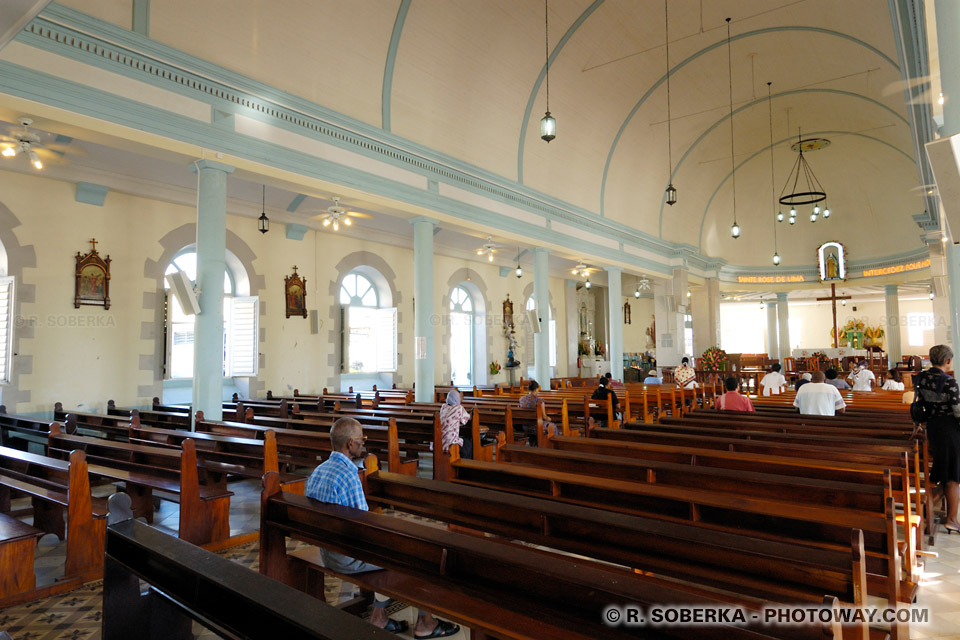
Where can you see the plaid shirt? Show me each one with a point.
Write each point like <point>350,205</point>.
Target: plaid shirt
<point>337,481</point>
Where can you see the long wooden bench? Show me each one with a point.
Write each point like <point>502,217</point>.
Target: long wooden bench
<point>17,543</point>
<point>204,510</point>
<point>495,588</point>
<point>54,487</point>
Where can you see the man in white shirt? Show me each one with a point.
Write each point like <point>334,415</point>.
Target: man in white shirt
<point>862,378</point>
<point>773,383</point>
<point>817,398</point>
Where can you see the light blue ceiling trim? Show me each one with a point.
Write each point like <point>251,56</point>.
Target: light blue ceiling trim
<point>752,104</point>
<point>295,231</point>
<point>387,92</point>
<point>540,78</point>
<point>765,148</point>
<point>296,202</point>
<point>89,193</point>
<point>694,56</point>
<point>141,17</point>
<point>74,97</point>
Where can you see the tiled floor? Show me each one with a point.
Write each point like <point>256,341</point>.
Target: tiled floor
<point>76,615</point>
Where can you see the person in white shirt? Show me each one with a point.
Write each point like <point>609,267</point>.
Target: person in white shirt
<point>773,383</point>
<point>862,378</point>
<point>894,382</point>
<point>817,398</point>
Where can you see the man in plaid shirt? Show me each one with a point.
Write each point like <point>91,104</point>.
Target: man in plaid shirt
<point>337,481</point>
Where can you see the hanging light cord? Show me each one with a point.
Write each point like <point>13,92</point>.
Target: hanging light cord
<point>666,18</point>
<point>263,201</point>
<point>546,46</point>
<point>773,188</point>
<point>733,163</point>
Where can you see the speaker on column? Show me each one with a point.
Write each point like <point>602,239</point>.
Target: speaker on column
<point>182,290</point>
<point>534,320</point>
<point>940,286</point>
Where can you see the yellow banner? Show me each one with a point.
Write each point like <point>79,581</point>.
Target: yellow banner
<point>770,279</point>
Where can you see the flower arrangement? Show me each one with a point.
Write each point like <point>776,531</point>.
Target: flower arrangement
<point>494,368</point>
<point>714,359</point>
<point>820,357</point>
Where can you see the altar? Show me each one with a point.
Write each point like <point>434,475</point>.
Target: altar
<point>832,353</point>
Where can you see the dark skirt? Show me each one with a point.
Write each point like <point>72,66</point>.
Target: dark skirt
<point>943,434</point>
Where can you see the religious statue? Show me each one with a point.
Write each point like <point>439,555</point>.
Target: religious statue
<point>833,267</point>
<point>652,333</point>
<point>832,260</point>
<point>508,316</point>
<point>511,347</point>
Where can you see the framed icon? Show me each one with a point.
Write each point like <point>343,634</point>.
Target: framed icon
<point>295,292</point>
<point>92,279</point>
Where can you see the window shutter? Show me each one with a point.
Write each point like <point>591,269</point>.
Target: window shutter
<point>6,328</point>
<point>387,339</point>
<point>244,336</point>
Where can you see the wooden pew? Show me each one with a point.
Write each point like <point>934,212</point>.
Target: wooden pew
<point>17,543</point>
<point>186,583</point>
<point>55,486</point>
<point>504,590</point>
<point>204,510</point>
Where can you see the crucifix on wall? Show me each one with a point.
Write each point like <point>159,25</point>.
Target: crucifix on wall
<point>833,301</point>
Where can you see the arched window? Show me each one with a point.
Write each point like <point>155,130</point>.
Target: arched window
<point>370,331</point>
<point>551,330</point>
<point>240,323</point>
<point>462,319</point>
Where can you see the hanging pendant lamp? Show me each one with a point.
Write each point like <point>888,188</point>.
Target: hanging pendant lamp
<point>548,124</point>
<point>773,187</point>
<point>263,222</point>
<point>735,227</point>
<point>671,190</point>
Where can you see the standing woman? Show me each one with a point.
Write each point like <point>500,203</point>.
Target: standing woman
<point>452,419</point>
<point>941,394</point>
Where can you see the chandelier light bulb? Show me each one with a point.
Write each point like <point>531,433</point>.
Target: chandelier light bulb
<point>326,222</point>
<point>931,295</point>
<point>735,231</point>
<point>489,257</point>
<point>519,271</point>
<point>336,225</point>
<point>636,294</point>
<point>347,221</point>
<point>776,261</point>
<point>816,209</point>
<point>9,152</point>
<point>793,220</point>
<point>587,284</point>
<point>780,216</point>
<point>813,217</point>
<point>826,212</point>
<point>35,159</point>
<point>793,211</point>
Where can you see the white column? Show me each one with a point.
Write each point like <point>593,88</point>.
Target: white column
<point>773,350</point>
<point>211,266</point>
<point>668,297</point>
<point>783,316</point>
<point>615,307</point>
<point>892,329</point>
<point>705,309</point>
<point>541,297</point>
<point>423,317</point>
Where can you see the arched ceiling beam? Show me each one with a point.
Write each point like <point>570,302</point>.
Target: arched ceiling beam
<point>543,74</point>
<point>694,56</point>
<point>387,91</point>
<point>790,139</point>
<point>756,102</point>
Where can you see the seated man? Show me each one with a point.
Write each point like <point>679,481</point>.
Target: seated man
<point>732,400</point>
<point>832,379</point>
<point>337,481</point>
<point>817,398</point>
<point>804,379</point>
<point>652,378</point>
<point>773,383</point>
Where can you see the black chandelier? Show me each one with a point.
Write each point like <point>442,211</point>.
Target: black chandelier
<point>802,186</point>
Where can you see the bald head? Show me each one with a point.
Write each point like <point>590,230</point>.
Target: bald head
<point>818,376</point>
<point>343,431</point>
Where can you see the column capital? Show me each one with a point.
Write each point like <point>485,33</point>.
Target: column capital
<point>890,289</point>
<point>782,296</point>
<point>197,165</point>
<point>771,304</point>
<point>613,269</point>
<point>541,250</point>
<point>419,219</point>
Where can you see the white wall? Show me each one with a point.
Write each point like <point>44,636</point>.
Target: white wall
<point>90,355</point>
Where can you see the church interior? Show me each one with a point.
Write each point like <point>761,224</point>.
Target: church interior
<point>226,224</point>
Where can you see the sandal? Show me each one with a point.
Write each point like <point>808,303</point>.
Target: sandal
<point>442,630</point>
<point>396,626</point>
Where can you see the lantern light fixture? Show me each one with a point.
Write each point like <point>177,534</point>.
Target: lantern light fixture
<point>263,222</point>
<point>548,124</point>
<point>671,190</point>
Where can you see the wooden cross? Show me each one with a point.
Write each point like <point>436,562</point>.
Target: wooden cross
<point>93,244</point>
<point>294,269</point>
<point>833,301</point>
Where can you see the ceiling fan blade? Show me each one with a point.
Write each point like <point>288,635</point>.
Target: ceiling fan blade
<point>357,214</point>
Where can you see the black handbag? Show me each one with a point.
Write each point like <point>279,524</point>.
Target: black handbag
<point>920,409</point>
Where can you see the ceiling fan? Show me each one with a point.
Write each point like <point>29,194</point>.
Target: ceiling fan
<point>582,270</point>
<point>28,143</point>
<point>337,214</point>
<point>488,249</point>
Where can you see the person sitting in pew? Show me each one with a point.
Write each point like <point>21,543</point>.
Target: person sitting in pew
<point>336,481</point>
<point>601,393</point>
<point>804,379</point>
<point>773,383</point>
<point>817,398</point>
<point>533,401</point>
<point>685,375</point>
<point>652,378</point>
<point>893,382</point>
<point>863,379</point>
<point>453,417</point>
<point>833,380</point>
<point>732,400</point>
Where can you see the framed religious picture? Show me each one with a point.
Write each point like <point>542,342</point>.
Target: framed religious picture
<point>832,260</point>
<point>295,292</point>
<point>92,279</point>
<point>508,313</point>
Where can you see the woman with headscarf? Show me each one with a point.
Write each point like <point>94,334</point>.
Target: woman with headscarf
<point>452,419</point>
